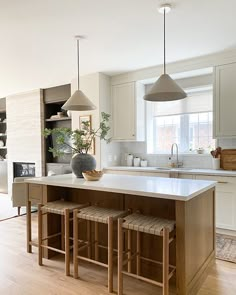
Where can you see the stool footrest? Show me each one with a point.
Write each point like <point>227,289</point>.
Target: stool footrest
<point>51,236</point>
<point>93,261</point>
<point>143,279</point>
<point>53,249</point>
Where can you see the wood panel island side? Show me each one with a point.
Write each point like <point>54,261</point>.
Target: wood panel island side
<point>191,203</point>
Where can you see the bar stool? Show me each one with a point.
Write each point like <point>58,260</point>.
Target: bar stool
<point>150,225</point>
<point>97,215</point>
<point>64,209</point>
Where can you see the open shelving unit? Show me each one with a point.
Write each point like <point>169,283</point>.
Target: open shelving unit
<point>3,129</point>
<point>54,98</point>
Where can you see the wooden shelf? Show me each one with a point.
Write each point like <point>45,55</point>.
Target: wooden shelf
<point>59,119</point>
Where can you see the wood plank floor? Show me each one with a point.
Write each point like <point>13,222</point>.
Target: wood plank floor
<point>20,274</point>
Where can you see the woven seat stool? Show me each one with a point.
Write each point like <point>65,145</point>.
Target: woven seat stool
<point>64,209</point>
<point>97,215</point>
<point>150,225</point>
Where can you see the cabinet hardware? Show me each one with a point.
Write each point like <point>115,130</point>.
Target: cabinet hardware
<point>222,182</point>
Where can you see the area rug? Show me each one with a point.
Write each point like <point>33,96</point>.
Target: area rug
<point>226,248</point>
<point>6,209</point>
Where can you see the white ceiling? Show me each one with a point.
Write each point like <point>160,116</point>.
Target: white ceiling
<point>37,48</point>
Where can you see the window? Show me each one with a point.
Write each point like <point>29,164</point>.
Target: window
<point>187,122</point>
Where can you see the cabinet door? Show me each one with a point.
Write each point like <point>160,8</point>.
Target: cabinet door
<point>225,200</point>
<point>123,111</point>
<point>225,101</point>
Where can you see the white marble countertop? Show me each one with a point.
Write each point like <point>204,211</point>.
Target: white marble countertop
<point>186,170</point>
<point>155,187</point>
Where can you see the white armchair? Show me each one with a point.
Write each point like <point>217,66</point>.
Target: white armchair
<point>19,193</point>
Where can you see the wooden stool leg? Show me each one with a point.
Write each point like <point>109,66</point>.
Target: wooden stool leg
<point>96,240</point>
<point>165,261</point>
<point>40,229</point>
<point>63,232</point>
<point>67,241</point>
<point>29,238</point>
<point>75,242</point>
<point>110,254</point>
<point>138,264</point>
<point>129,251</point>
<point>120,256</point>
<point>89,238</point>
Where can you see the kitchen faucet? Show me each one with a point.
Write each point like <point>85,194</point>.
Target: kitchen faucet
<point>177,164</point>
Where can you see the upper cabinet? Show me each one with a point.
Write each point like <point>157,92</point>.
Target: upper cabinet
<point>225,101</point>
<point>128,112</point>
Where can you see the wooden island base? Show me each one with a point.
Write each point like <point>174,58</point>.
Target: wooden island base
<point>193,252</point>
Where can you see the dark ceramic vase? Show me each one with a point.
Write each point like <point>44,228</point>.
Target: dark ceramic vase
<point>82,162</point>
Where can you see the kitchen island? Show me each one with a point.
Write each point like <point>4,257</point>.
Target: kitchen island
<point>191,203</point>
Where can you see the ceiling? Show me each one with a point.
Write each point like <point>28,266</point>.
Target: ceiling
<point>37,48</point>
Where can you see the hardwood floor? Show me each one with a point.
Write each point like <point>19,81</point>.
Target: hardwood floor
<point>20,274</point>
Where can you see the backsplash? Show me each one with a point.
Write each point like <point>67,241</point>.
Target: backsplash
<point>138,149</point>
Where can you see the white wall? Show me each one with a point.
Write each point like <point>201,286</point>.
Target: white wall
<point>97,88</point>
<point>24,131</point>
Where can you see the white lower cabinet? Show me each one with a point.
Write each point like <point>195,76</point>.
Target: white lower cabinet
<point>225,201</point>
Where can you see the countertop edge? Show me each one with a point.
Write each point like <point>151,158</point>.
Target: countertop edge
<point>192,171</point>
<point>46,181</point>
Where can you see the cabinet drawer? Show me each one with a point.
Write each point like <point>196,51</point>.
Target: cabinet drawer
<point>224,184</point>
<point>35,192</point>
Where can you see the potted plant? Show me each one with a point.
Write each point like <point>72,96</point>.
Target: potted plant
<point>78,142</point>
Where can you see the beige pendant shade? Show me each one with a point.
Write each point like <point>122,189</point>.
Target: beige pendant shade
<point>78,102</point>
<point>165,89</point>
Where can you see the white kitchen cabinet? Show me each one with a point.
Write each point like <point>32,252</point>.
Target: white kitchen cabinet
<point>185,176</point>
<point>128,111</point>
<point>224,101</point>
<point>225,201</point>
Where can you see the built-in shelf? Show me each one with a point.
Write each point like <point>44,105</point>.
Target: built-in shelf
<point>3,122</point>
<point>58,119</point>
<point>3,148</point>
<point>3,134</point>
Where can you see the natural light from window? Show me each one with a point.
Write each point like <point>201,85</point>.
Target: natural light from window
<point>187,122</point>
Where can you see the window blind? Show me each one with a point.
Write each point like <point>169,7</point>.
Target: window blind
<point>194,103</point>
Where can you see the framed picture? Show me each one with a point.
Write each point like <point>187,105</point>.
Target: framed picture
<point>87,118</point>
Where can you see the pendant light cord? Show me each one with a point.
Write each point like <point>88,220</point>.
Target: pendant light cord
<point>164,40</point>
<point>78,59</point>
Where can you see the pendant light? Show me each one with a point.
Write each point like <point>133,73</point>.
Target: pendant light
<point>78,101</point>
<point>165,88</point>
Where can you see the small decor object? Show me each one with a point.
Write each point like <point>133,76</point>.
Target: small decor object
<point>92,175</point>
<point>136,162</point>
<point>216,158</point>
<point>80,142</point>
<point>200,151</point>
<point>1,143</point>
<point>143,163</point>
<point>130,160</point>
<point>60,114</point>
